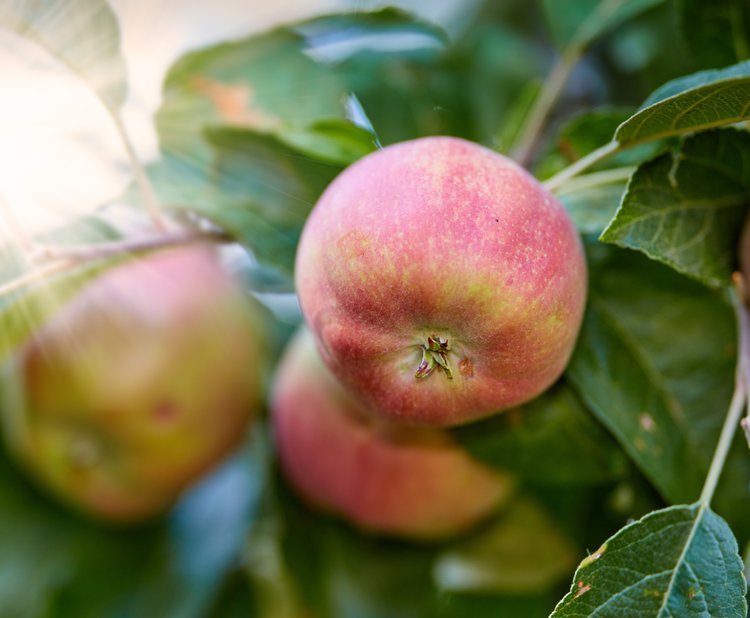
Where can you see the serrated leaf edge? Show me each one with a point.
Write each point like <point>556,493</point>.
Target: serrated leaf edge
<point>701,510</point>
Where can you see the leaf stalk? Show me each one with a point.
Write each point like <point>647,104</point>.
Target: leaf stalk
<point>551,90</point>
<point>582,164</point>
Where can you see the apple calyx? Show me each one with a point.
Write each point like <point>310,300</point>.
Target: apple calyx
<point>85,451</point>
<point>434,355</point>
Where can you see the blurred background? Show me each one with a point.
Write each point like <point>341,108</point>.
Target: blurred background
<point>50,117</point>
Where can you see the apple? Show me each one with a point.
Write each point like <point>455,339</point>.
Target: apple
<point>139,385</point>
<point>442,282</point>
<point>412,482</point>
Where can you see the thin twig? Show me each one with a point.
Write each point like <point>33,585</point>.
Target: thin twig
<point>68,257</point>
<point>596,179</point>
<point>551,90</point>
<point>555,82</point>
<point>36,275</point>
<point>150,201</point>
<point>740,286</point>
<point>736,407</point>
<point>128,245</point>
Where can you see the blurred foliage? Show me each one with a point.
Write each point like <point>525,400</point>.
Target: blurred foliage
<point>58,564</point>
<point>716,32</point>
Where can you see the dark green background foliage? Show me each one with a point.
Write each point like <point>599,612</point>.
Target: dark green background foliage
<point>627,433</point>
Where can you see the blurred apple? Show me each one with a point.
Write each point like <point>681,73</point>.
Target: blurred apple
<point>139,385</point>
<point>412,482</point>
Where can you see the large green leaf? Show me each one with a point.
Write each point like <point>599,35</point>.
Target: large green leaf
<point>688,104</point>
<point>717,32</point>
<point>82,34</point>
<point>283,81</point>
<point>578,22</point>
<point>258,188</point>
<point>685,208</point>
<point>266,83</point>
<point>681,561</point>
<point>655,363</point>
<point>640,413</point>
<point>551,440</point>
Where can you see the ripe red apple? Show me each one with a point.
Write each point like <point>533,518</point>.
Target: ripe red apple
<point>145,380</point>
<point>441,281</point>
<point>412,482</point>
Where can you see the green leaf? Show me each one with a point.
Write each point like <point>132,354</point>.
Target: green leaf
<point>685,208</point>
<point>551,440</point>
<point>332,140</point>
<point>258,189</point>
<point>717,32</point>
<point>523,551</point>
<point>592,207</point>
<point>237,600</point>
<point>640,413</point>
<point>266,83</point>
<point>82,34</point>
<point>681,561</point>
<point>270,186</point>
<point>689,104</point>
<point>340,572</point>
<point>655,363</point>
<point>285,81</point>
<point>389,32</point>
<point>579,22</point>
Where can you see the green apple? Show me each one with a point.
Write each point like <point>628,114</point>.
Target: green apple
<point>139,385</point>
